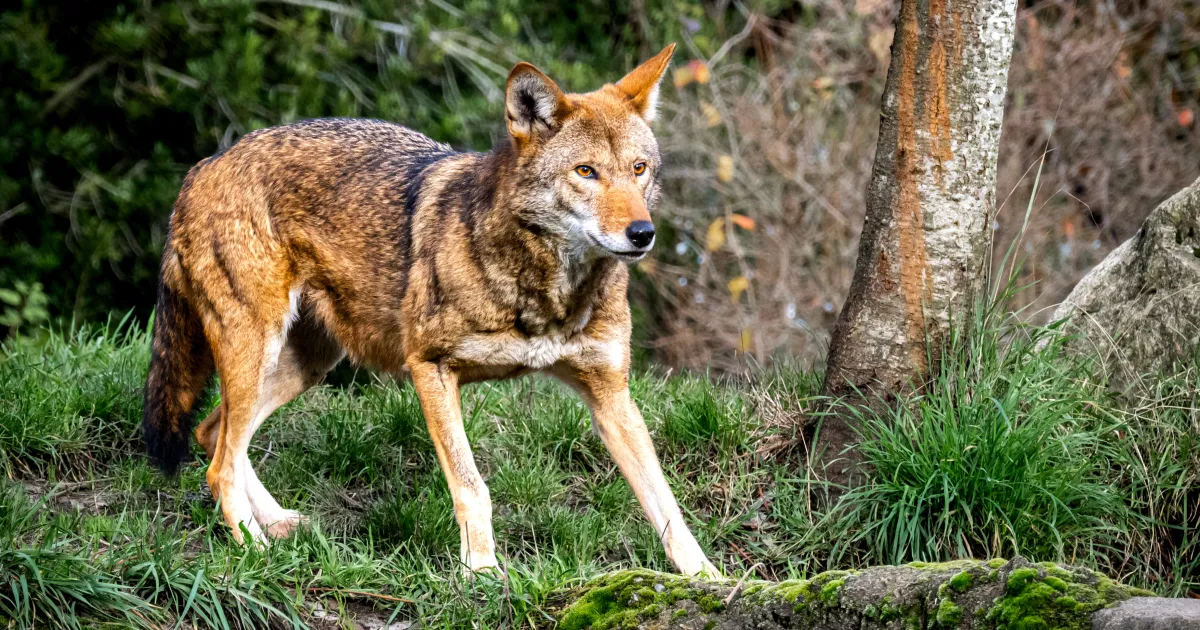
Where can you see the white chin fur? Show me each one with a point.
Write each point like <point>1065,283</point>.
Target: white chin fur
<point>619,247</point>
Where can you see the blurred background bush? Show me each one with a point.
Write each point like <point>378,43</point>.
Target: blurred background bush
<point>769,124</point>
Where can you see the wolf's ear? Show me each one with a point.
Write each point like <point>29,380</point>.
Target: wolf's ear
<point>533,104</point>
<point>641,85</point>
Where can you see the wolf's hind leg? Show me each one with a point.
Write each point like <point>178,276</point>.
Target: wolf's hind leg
<point>307,356</point>
<point>240,366</point>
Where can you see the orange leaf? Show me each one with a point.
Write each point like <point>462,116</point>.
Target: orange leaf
<point>699,70</point>
<point>715,237</point>
<point>743,221</point>
<point>1186,117</point>
<point>737,286</point>
<point>1121,66</point>
<point>684,76</point>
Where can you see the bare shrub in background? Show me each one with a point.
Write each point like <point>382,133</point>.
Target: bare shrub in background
<point>1111,90</point>
<point>768,166</point>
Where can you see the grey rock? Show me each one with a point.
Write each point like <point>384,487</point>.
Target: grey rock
<point>1150,613</point>
<point>1139,309</point>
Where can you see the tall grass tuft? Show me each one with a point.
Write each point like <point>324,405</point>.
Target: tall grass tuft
<point>47,584</point>
<point>1003,453</point>
<point>71,399</point>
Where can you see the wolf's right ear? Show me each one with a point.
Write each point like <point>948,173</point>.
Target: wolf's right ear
<point>533,104</point>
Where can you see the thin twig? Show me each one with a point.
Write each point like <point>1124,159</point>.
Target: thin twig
<point>737,588</point>
<point>390,598</point>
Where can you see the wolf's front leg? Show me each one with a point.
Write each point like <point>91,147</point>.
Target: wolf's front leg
<point>437,387</point>
<point>620,425</point>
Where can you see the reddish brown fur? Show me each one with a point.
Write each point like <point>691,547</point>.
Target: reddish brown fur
<point>304,243</point>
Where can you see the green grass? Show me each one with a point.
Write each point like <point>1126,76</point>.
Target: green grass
<point>1004,454</point>
<point>1015,449</point>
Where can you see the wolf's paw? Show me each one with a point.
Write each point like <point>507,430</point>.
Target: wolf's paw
<point>285,523</point>
<point>483,567</point>
<point>701,570</point>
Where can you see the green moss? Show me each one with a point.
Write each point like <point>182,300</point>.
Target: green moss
<point>1019,579</point>
<point>1056,583</point>
<point>962,581</point>
<point>799,592</point>
<point>710,604</point>
<point>1052,597</point>
<point>996,563</point>
<point>1066,601</point>
<point>679,614</point>
<point>945,566</point>
<point>622,600</point>
<point>831,593</point>
<point>949,614</point>
<point>1054,570</point>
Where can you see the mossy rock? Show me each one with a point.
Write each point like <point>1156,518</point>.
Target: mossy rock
<point>1004,595</point>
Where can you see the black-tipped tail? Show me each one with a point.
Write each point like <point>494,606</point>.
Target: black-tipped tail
<point>181,365</point>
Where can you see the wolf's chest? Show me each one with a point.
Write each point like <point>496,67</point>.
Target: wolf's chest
<point>515,350</point>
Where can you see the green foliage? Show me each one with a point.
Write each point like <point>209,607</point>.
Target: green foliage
<point>1036,598</point>
<point>359,462</point>
<point>105,105</point>
<point>68,399</point>
<point>24,304</point>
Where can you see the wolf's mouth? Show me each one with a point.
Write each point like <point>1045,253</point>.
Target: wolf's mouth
<point>633,256</point>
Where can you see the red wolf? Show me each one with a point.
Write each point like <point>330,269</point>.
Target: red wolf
<point>305,243</point>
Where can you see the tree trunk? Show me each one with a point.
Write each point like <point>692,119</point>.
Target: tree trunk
<point>925,242</point>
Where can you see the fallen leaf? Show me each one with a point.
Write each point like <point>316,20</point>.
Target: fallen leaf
<point>747,340</point>
<point>737,286</point>
<point>1121,65</point>
<point>880,44</point>
<point>867,7</point>
<point>683,76</point>
<point>712,117</point>
<point>1186,117</point>
<point>699,70</point>
<point>822,83</point>
<point>715,237</point>
<point>725,168</point>
<point>742,221</point>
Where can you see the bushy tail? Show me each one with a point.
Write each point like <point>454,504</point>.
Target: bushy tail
<point>181,364</point>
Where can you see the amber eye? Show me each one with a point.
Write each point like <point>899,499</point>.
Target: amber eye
<point>585,171</point>
<point>639,168</point>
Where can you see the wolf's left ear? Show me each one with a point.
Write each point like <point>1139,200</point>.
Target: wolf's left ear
<point>533,104</point>
<point>641,85</point>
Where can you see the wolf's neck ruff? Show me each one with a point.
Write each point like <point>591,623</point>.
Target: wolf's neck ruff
<point>529,267</point>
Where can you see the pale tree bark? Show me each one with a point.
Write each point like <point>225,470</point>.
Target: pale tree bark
<point>927,233</point>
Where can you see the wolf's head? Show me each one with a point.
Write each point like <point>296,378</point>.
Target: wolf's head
<point>588,163</point>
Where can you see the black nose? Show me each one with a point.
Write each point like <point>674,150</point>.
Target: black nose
<point>640,233</point>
